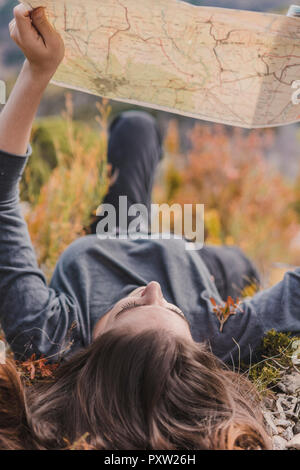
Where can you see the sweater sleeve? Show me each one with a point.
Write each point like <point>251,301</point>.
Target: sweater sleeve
<point>275,308</point>
<point>34,318</point>
<point>278,307</point>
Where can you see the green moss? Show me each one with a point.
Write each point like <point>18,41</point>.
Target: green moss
<point>281,345</point>
<point>264,377</point>
<point>276,353</point>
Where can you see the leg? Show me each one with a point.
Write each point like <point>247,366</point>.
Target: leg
<point>231,269</point>
<point>134,150</point>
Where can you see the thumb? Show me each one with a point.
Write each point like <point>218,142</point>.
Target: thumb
<point>41,23</point>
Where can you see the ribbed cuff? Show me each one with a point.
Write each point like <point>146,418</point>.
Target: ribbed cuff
<point>11,169</point>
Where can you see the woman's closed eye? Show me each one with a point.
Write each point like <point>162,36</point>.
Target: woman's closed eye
<point>133,304</point>
<point>127,306</point>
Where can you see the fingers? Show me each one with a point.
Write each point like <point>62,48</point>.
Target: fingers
<point>28,25</point>
<point>37,38</point>
<point>41,23</point>
<point>13,30</point>
<point>22,21</point>
<point>12,25</point>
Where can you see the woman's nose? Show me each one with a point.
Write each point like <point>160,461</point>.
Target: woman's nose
<point>153,294</point>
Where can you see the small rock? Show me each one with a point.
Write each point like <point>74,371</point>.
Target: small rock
<point>296,428</point>
<point>280,409</point>
<point>270,422</point>
<point>284,423</point>
<point>292,383</point>
<point>279,443</point>
<point>288,434</point>
<point>291,415</point>
<point>281,387</point>
<point>268,402</point>
<point>290,398</point>
<point>294,443</point>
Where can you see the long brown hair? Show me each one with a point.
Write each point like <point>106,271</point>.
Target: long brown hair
<point>133,391</point>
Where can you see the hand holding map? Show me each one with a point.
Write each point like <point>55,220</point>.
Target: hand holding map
<point>221,65</point>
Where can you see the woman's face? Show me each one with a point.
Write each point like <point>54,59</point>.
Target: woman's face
<point>145,308</point>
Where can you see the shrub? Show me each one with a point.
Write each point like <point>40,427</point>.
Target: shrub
<point>73,189</point>
<point>246,199</point>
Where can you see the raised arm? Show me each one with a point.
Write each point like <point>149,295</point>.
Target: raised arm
<point>44,50</point>
<point>35,318</point>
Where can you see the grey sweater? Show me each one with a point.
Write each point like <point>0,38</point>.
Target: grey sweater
<point>93,274</point>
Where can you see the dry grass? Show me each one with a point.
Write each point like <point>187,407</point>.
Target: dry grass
<point>73,191</point>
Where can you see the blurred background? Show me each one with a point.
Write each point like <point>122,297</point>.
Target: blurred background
<point>249,181</point>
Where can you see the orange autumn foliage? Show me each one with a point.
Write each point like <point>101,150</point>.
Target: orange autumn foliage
<point>72,193</point>
<point>247,201</point>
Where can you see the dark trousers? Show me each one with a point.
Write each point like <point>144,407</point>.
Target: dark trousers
<point>134,151</point>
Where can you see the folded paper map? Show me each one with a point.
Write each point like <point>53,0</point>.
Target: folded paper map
<point>221,65</point>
